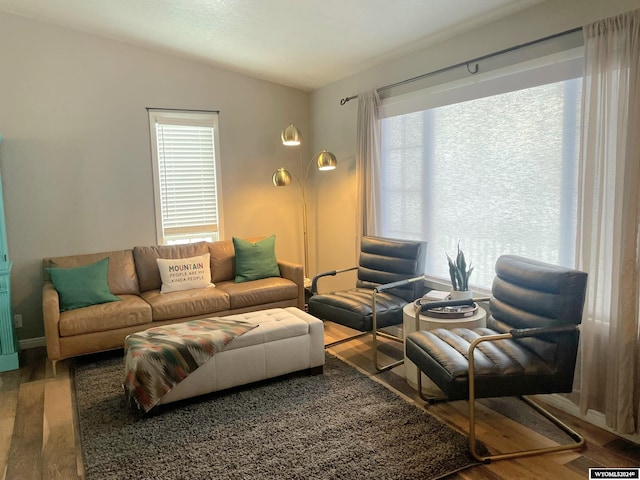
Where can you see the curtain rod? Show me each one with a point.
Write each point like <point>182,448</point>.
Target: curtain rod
<point>462,64</point>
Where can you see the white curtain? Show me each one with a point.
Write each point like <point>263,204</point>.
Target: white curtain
<point>608,379</point>
<point>368,162</point>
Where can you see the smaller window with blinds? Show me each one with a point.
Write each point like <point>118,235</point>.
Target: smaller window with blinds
<point>186,176</point>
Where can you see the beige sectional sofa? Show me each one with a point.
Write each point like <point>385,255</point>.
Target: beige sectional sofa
<point>134,277</point>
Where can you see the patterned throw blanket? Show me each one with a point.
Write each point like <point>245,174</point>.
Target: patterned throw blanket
<point>158,359</point>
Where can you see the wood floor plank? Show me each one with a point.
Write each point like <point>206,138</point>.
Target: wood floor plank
<point>582,465</point>
<point>59,442</point>
<point>25,454</point>
<point>532,468</point>
<point>625,449</point>
<point>501,434</point>
<point>592,433</point>
<point>603,448</point>
<point>477,472</point>
<point>599,455</point>
<point>9,388</point>
<point>34,369</point>
<point>510,436</point>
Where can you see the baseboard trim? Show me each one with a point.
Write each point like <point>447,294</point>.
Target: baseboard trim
<point>32,343</point>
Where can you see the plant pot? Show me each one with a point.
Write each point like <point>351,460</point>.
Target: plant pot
<point>461,294</point>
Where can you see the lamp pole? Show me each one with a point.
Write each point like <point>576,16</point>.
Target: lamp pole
<point>281,178</point>
<point>303,182</point>
<point>306,236</point>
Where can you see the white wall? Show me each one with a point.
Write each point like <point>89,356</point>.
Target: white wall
<point>333,236</point>
<point>75,159</point>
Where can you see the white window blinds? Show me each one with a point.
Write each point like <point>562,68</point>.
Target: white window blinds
<point>186,177</point>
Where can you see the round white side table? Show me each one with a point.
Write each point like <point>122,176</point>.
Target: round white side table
<point>478,320</point>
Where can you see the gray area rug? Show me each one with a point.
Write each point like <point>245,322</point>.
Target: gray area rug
<point>338,425</point>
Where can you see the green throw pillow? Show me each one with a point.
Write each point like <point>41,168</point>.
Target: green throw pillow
<point>255,260</point>
<point>82,286</point>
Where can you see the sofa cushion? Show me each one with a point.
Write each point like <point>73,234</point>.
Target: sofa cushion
<point>223,265</point>
<point>147,267</point>
<point>222,260</point>
<point>259,292</point>
<point>255,260</point>
<point>129,311</point>
<point>186,303</point>
<point>185,273</point>
<point>82,286</point>
<point>122,276</point>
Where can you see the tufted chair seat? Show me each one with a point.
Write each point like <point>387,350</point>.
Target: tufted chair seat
<point>353,308</point>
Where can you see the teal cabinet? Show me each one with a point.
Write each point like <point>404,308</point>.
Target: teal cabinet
<point>8,339</point>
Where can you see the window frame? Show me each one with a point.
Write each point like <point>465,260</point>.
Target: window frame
<point>549,69</point>
<point>185,118</point>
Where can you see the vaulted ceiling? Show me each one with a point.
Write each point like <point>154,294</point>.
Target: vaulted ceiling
<point>300,43</point>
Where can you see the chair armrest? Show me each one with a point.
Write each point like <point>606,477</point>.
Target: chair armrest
<point>517,333</point>
<point>540,331</point>
<point>51,318</point>
<point>399,283</point>
<point>332,273</point>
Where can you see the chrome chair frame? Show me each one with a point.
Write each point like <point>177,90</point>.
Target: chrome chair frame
<point>374,322</point>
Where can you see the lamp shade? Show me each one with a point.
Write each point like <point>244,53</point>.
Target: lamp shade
<point>290,135</point>
<point>281,177</point>
<point>326,160</point>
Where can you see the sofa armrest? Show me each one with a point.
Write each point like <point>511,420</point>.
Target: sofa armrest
<point>294,272</point>
<point>51,317</point>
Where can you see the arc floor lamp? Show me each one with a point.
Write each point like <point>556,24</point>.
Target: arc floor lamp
<point>282,178</point>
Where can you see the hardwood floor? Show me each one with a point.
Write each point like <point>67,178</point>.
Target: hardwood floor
<point>39,440</point>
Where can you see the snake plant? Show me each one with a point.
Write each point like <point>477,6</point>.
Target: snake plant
<point>459,272</point>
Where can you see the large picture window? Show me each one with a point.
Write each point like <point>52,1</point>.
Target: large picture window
<point>496,174</point>
<point>186,176</point>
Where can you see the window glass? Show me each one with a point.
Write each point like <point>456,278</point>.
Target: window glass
<point>186,176</point>
<point>497,174</point>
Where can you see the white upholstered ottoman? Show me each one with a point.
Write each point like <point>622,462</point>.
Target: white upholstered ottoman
<point>286,340</point>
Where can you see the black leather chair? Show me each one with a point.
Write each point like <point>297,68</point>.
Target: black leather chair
<point>390,274</point>
<point>529,346</point>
